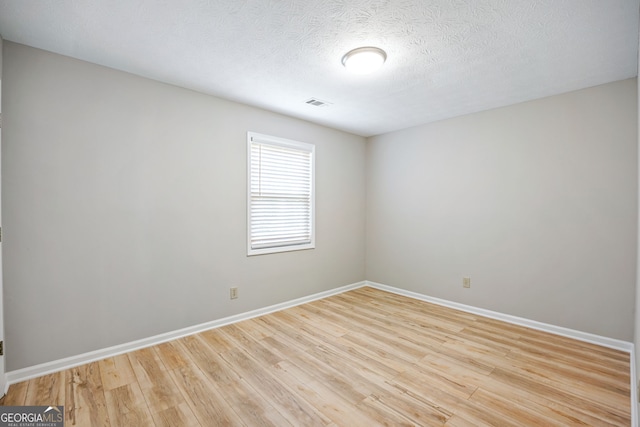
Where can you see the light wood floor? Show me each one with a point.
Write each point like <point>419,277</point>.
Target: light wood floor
<point>362,358</point>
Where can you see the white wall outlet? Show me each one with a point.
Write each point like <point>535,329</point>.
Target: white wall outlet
<point>466,282</point>
<point>233,293</point>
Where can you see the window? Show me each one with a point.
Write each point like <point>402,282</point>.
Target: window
<point>281,192</point>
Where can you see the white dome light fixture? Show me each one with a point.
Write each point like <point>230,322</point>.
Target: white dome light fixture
<point>364,60</point>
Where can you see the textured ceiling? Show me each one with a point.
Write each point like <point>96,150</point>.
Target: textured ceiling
<point>445,57</point>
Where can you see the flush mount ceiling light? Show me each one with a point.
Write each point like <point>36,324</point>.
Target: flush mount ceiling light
<point>364,60</point>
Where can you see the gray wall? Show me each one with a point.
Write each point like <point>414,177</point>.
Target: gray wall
<point>2,359</point>
<point>636,338</point>
<point>125,208</point>
<point>536,202</point>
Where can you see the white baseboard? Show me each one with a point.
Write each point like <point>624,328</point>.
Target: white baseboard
<point>557,330</point>
<point>70,362</point>
<point>30,372</point>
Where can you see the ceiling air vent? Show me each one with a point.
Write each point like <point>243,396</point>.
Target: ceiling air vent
<point>317,102</point>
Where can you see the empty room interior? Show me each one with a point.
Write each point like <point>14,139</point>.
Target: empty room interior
<point>211,215</point>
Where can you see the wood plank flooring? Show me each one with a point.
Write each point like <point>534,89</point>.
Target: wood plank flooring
<point>361,358</point>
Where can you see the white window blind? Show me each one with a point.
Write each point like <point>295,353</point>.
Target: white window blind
<point>281,195</point>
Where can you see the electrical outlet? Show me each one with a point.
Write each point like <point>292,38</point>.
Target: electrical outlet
<point>233,293</point>
<point>466,282</point>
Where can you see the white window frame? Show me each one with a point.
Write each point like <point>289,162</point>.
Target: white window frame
<point>287,143</point>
